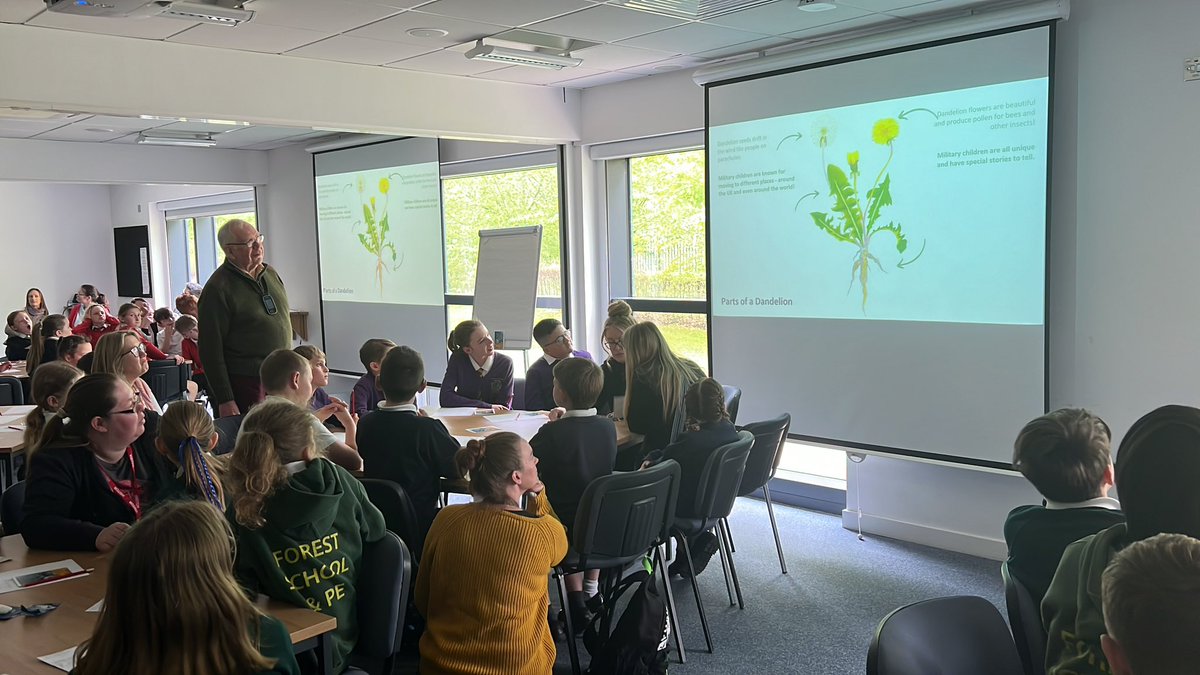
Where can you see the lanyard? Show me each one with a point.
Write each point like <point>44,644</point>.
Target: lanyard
<point>130,494</point>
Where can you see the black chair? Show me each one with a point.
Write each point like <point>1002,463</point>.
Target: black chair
<point>718,488</point>
<point>227,432</point>
<point>398,512</point>
<point>11,392</point>
<point>518,402</point>
<point>167,380</point>
<point>382,597</point>
<point>621,517</point>
<point>1025,617</point>
<point>12,508</point>
<point>733,398</point>
<point>944,636</point>
<point>769,439</point>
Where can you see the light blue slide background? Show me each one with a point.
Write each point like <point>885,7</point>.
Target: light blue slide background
<point>984,227</point>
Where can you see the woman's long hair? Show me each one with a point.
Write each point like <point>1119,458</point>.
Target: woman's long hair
<point>186,431</point>
<point>649,358</point>
<point>273,434</point>
<point>108,353</point>
<point>53,379</point>
<point>172,604</point>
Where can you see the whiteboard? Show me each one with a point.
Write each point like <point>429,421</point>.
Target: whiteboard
<point>506,284</point>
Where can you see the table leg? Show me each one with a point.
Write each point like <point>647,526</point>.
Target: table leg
<point>324,651</point>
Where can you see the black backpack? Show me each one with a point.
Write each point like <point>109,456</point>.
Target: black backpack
<point>639,643</point>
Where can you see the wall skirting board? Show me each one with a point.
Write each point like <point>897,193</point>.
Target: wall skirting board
<point>962,542</point>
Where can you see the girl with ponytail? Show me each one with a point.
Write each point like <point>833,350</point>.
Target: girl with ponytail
<point>186,437</point>
<point>495,624</point>
<point>48,386</point>
<point>43,347</point>
<point>655,382</point>
<point>620,319</point>
<point>476,374</point>
<point>300,520</point>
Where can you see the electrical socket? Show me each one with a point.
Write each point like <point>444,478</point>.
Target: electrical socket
<point>1191,69</point>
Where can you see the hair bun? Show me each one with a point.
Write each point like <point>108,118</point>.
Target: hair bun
<point>619,308</point>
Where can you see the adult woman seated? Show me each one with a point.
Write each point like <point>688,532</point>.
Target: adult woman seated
<point>475,374</point>
<point>657,379</point>
<point>96,324</point>
<point>123,355</point>
<point>35,307</point>
<point>95,471</point>
<point>496,623</point>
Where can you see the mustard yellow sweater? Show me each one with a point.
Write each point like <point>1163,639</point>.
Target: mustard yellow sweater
<point>482,588</point>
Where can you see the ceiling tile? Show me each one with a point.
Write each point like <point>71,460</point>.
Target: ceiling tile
<point>153,28</point>
<point>247,136</point>
<point>125,124</point>
<point>913,10</point>
<point>329,16</point>
<point>847,26</point>
<point>504,12</point>
<point>395,4</point>
<point>597,80</point>
<point>889,5</point>
<point>394,29</point>
<point>527,75</point>
<point>604,23</point>
<point>666,65</point>
<point>743,48</point>
<point>20,11</point>
<point>249,37</point>
<point>359,50</point>
<point>692,38</point>
<point>778,18</point>
<point>197,127</point>
<point>616,57</point>
<point>447,62</point>
<point>81,133</point>
<point>10,128</point>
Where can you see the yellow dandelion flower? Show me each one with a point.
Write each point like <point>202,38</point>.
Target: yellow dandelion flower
<point>362,185</point>
<point>384,185</point>
<point>886,130</point>
<point>372,203</point>
<point>852,159</point>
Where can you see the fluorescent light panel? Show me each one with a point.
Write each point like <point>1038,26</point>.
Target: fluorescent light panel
<point>178,138</point>
<point>521,57</point>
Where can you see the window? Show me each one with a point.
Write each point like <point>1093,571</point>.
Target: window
<point>498,200</point>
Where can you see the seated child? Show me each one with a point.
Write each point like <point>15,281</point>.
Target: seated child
<point>555,341</point>
<point>169,340</point>
<point>181,546</point>
<point>48,387</point>
<point>72,349</point>
<point>186,437</point>
<point>146,321</point>
<point>188,327</point>
<point>286,375</point>
<point>300,521</point>
<point>320,371</point>
<point>574,449</point>
<point>17,345</point>
<point>130,317</point>
<point>398,443</point>
<point>706,429</point>
<point>1158,467</point>
<point>1066,455</point>
<point>367,394</point>
<point>475,374</point>
<point>44,340</point>
<point>96,324</point>
<point>1151,593</point>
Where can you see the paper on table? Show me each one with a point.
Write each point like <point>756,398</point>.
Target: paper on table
<point>483,430</point>
<point>96,607</point>
<point>450,412</point>
<point>463,440</point>
<point>11,419</point>
<point>21,410</point>
<point>64,660</point>
<point>8,580</point>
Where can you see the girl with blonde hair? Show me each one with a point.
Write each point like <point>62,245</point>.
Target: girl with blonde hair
<point>620,319</point>
<point>122,354</point>
<point>172,604</point>
<point>300,520</point>
<point>186,437</point>
<point>495,624</point>
<point>655,381</point>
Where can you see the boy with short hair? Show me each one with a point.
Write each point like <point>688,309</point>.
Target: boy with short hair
<point>168,339</point>
<point>399,443</point>
<point>367,394</point>
<point>1151,593</point>
<point>1158,468</point>
<point>555,341</point>
<point>1067,456</point>
<point>573,449</point>
<point>73,348</point>
<point>287,375</point>
<point>189,329</point>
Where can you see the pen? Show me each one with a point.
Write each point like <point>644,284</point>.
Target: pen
<point>80,573</point>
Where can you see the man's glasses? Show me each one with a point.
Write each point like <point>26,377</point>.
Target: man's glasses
<point>560,340</point>
<point>248,244</point>
<point>138,406</point>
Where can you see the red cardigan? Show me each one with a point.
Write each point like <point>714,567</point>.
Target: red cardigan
<point>94,334</point>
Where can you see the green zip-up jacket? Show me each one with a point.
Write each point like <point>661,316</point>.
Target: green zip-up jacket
<point>236,331</point>
<point>310,549</point>
<point>1072,610</point>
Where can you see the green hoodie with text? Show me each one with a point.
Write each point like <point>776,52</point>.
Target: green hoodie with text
<point>310,549</point>
<point>1072,610</point>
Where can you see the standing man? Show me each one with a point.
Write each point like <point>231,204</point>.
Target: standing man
<point>243,318</point>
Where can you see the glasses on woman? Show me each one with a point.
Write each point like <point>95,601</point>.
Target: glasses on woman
<point>138,351</point>
<point>610,345</point>
<point>138,406</point>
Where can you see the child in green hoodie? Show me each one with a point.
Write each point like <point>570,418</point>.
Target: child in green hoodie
<point>300,520</point>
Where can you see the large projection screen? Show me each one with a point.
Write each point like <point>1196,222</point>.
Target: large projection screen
<point>379,236</point>
<point>877,243</point>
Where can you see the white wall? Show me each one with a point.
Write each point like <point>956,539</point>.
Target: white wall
<point>648,106</point>
<point>57,236</point>
<point>287,216</point>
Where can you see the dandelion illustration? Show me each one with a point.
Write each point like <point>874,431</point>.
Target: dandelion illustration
<point>375,239</point>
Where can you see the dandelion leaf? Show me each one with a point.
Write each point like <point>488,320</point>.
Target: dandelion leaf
<point>845,203</point>
<point>877,198</point>
<point>894,229</point>
<point>824,222</point>
<point>368,218</point>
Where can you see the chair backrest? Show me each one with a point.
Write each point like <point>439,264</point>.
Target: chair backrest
<point>227,431</point>
<point>12,508</point>
<point>944,636</point>
<point>10,391</point>
<point>382,599</point>
<point>624,514</point>
<point>398,512</point>
<point>518,402</point>
<point>164,380</point>
<point>1025,617</point>
<point>769,438</point>
<point>721,478</point>
<point>733,398</point>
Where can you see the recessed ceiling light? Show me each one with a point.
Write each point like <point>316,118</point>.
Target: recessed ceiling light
<point>99,130</point>
<point>816,5</point>
<point>428,32</point>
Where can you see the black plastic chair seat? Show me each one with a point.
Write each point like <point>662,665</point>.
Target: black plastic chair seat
<point>694,525</point>
<point>944,636</point>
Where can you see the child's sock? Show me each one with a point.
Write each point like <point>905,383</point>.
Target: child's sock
<point>591,586</point>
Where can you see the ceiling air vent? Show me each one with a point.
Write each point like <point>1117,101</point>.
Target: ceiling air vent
<point>692,9</point>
